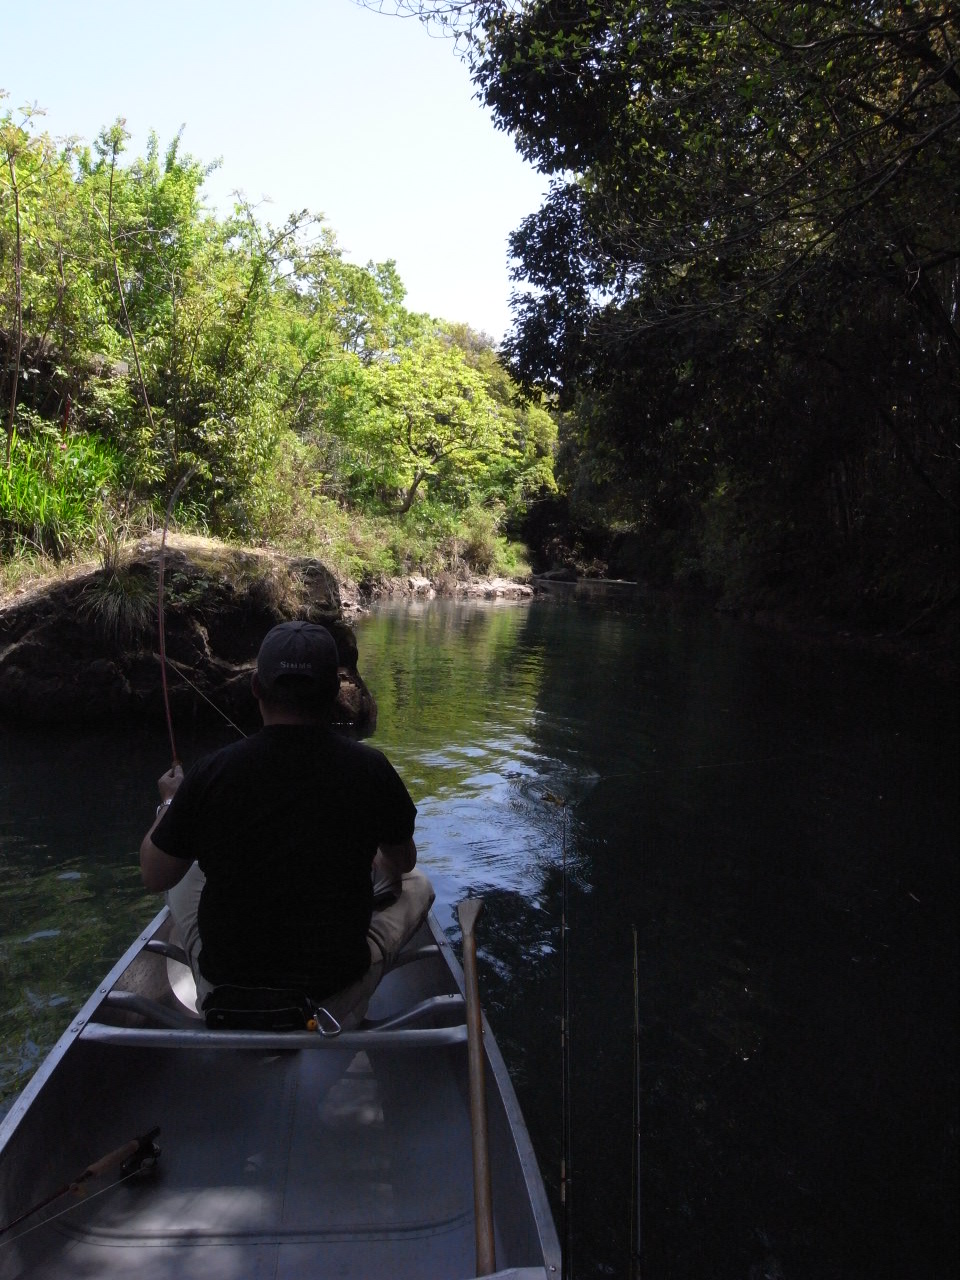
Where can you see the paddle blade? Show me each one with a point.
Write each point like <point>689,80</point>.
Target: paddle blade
<point>468,911</point>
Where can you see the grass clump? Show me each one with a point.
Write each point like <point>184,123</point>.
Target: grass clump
<point>122,601</point>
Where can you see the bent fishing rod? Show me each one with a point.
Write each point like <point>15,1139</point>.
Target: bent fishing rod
<point>161,633</point>
<point>165,662</point>
<point>162,639</point>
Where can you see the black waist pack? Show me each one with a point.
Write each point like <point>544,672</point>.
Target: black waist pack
<point>230,1008</point>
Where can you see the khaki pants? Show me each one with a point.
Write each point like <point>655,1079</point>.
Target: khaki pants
<point>390,929</point>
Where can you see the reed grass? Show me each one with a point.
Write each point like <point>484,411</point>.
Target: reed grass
<point>54,490</point>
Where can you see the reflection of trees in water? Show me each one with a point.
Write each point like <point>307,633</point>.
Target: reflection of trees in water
<point>65,925</point>
<point>769,819</point>
<point>74,808</point>
<point>445,671</point>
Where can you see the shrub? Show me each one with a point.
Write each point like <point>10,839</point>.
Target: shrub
<point>53,492</point>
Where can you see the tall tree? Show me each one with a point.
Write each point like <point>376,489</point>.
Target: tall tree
<point>745,278</point>
<point>25,161</point>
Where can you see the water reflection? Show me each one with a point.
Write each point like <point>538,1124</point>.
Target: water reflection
<point>780,827</point>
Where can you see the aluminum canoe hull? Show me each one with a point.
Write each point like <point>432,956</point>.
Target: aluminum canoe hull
<point>288,1157</point>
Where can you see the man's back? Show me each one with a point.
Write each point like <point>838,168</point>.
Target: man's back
<point>285,826</point>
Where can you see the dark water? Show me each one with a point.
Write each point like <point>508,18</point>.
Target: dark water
<point>780,827</point>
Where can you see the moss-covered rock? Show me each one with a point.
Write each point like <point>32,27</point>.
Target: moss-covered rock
<point>87,649</point>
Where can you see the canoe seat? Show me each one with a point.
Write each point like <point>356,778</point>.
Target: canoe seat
<point>409,954</point>
<point>169,949</point>
<point>160,1014</point>
<point>161,947</point>
<point>448,1008</point>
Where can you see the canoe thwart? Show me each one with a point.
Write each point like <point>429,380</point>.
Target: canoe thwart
<point>446,1007</point>
<point>179,1038</point>
<point>410,954</point>
<point>447,1010</point>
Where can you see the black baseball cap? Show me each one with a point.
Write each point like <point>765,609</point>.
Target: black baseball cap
<point>299,651</point>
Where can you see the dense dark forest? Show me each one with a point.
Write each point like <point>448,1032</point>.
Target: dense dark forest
<point>743,285</point>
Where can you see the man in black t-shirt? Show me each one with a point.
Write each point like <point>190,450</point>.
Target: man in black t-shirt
<point>268,847</point>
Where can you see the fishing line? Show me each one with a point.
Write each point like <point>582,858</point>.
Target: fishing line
<point>81,1199</point>
<point>720,764</point>
<point>200,694</point>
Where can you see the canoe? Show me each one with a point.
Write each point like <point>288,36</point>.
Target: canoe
<point>292,1155</point>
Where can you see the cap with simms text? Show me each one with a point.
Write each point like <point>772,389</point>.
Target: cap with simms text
<point>302,650</point>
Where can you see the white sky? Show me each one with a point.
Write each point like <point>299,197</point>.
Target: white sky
<point>313,104</point>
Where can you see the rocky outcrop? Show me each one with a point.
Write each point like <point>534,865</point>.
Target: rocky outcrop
<point>446,586</point>
<point>86,650</point>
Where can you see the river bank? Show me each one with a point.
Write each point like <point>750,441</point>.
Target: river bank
<point>85,644</point>
<point>81,642</point>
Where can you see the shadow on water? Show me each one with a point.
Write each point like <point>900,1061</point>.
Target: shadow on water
<point>781,828</point>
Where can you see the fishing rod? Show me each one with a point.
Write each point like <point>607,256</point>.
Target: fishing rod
<point>115,148</point>
<point>566,1129</point>
<point>132,1156</point>
<point>566,1158</point>
<point>165,662</point>
<point>175,759</point>
<point>634,1271</point>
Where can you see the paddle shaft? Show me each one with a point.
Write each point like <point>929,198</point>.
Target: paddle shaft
<point>482,1195</point>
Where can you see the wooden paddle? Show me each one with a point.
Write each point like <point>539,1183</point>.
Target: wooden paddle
<point>468,911</point>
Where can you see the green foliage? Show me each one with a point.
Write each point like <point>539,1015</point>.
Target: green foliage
<point>55,486</point>
<point>479,548</point>
<point>418,417</point>
<point>312,407</point>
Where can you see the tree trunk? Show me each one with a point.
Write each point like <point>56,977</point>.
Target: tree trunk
<point>411,493</point>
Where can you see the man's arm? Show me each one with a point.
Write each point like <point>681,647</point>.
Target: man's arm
<point>399,858</point>
<point>159,870</point>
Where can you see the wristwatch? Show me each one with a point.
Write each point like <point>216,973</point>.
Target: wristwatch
<point>162,805</point>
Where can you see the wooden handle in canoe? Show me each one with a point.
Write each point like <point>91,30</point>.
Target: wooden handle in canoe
<point>468,911</point>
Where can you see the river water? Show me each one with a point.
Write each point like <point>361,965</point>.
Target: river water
<point>778,825</point>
